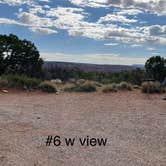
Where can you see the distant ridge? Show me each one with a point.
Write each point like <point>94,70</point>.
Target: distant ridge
<point>139,66</point>
<point>91,67</point>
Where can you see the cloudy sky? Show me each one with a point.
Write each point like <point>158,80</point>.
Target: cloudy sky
<point>89,31</point>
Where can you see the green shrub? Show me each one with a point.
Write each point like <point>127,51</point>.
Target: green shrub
<point>110,88</point>
<point>87,86</point>
<point>73,88</point>
<point>47,86</point>
<point>21,81</point>
<point>125,86</point>
<point>152,87</point>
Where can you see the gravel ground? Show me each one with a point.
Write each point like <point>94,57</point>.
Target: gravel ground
<point>133,123</point>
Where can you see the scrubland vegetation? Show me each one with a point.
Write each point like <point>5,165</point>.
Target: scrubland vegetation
<point>152,87</point>
<point>47,86</point>
<point>19,81</point>
<point>21,67</point>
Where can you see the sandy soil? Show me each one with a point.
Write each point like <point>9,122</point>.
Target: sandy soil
<point>133,123</point>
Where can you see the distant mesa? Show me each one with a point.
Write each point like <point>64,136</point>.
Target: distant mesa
<point>92,67</point>
<point>139,66</point>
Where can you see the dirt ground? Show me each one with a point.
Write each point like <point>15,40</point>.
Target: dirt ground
<point>133,123</point>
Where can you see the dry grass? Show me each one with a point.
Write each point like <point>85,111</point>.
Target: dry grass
<point>48,86</point>
<point>152,87</point>
<point>110,88</point>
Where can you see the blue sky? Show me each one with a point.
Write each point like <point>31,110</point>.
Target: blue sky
<point>89,31</point>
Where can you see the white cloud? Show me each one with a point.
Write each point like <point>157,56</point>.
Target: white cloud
<point>44,0</point>
<point>156,53</point>
<point>136,45</point>
<point>43,31</point>
<point>65,18</point>
<point>76,22</point>
<point>131,11</point>
<point>116,18</point>
<point>90,3</point>
<point>111,44</point>
<point>21,2</point>
<point>155,6</point>
<point>31,19</point>
<point>151,49</point>
<point>156,30</point>
<point>16,2</point>
<point>93,58</point>
<point>35,9</point>
<point>9,21</point>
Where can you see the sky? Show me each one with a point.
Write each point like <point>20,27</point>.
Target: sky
<point>89,31</point>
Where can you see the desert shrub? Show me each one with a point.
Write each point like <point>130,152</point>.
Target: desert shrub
<point>97,84</point>
<point>47,86</point>
<point>72,80</point>
<point>80,81</point>
<point>73,88</point>
<point>56,81</point>
<point>88,86</point>
<point>125,86</point>
<point>136,87</point>
<point>130,87</point>
<point>152,87</point>
<point>21,81</point>
<point>110,88</point>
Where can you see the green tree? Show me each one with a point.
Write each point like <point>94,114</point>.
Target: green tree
<point>1,64</point>
<point>156,67</point>
<point>19,56</point>
<point>137,76</point>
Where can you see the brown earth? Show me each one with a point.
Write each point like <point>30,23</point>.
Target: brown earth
<point>133,123</point>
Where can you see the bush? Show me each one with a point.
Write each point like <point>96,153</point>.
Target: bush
<point>72,80</point>
<point>136,87</point>
<point>21,81</point>
<point>110,88</point>
<point>73,88</point>
<point>88,86</point>
<point>80,81</point>
<point>125,86</point>
<point>47,86</point>
<point>56,81</point>
<point>152,87</point>
<point>97,84</point>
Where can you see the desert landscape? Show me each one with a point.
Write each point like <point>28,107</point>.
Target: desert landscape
<point>83,83</point>
<point>134,124</point>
